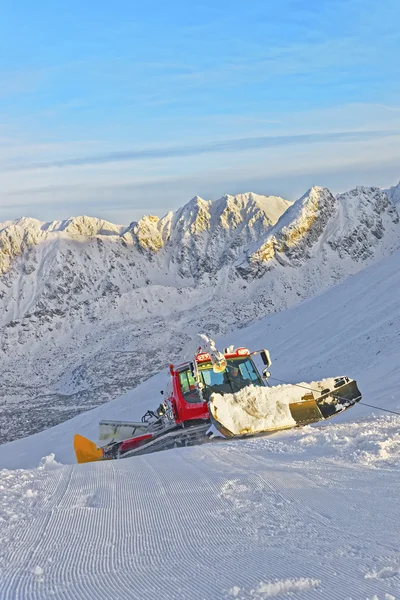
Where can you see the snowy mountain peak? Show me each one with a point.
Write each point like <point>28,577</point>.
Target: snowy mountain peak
<point>195,216</point>
<point>352,225</point>
<point>197,201</point>
<point>366,217</point>
<point>88,227</point>
<point>251,208</point>
<point>298,229</point>
<point>15,237</point>
<point>205,235</point>
<point>27,223</point>
<point>18,236</point>
<point>146,233</point>
<point>394,193</point>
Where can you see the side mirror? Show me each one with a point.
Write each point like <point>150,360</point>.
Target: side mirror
<point>266,373</point>
<point>162,392</point>
<point>192,370</point>
<point>265,357</point>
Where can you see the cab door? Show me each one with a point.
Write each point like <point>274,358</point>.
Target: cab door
<point>189,403</point>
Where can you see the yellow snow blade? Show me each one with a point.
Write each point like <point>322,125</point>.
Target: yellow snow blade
<point>86,450</point>
<point>306,411</point>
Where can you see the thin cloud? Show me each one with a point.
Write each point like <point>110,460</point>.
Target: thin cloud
<point>235,145</point>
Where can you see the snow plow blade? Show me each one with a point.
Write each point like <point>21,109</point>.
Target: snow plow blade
<point>86,450</point>
<point>305,412</point>
<point>264,410</point>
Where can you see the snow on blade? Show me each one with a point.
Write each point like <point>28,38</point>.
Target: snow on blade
<point>255,409</point>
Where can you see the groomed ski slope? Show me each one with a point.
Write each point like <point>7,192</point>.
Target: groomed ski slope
<point>309,513</point>
<point>256,519</point>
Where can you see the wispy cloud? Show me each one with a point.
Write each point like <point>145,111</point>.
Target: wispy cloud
<point>234,145</point>
<point>128,202</point>
<point>29,80</point>
<point>19,83</point>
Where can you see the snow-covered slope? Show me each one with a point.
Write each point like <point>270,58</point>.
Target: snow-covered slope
<point>394,193</point>
<point>252,520</point>
<point>77,293</point>
<point>353,329</point>
<point>312,513</point>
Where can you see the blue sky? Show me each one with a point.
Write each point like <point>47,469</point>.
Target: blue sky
<point>124,108</point>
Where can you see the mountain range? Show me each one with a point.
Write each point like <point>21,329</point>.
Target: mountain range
<point>89,308</point>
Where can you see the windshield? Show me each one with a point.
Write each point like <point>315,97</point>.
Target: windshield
<point>239,373</point>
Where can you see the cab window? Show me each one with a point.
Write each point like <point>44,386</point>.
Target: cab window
<point>248,371</point>
<point>188,387</point>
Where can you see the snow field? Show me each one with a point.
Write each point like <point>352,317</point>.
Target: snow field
<point>216,521</point>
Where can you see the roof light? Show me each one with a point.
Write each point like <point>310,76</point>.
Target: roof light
<point>203,357</point>
<point>242,352</point>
